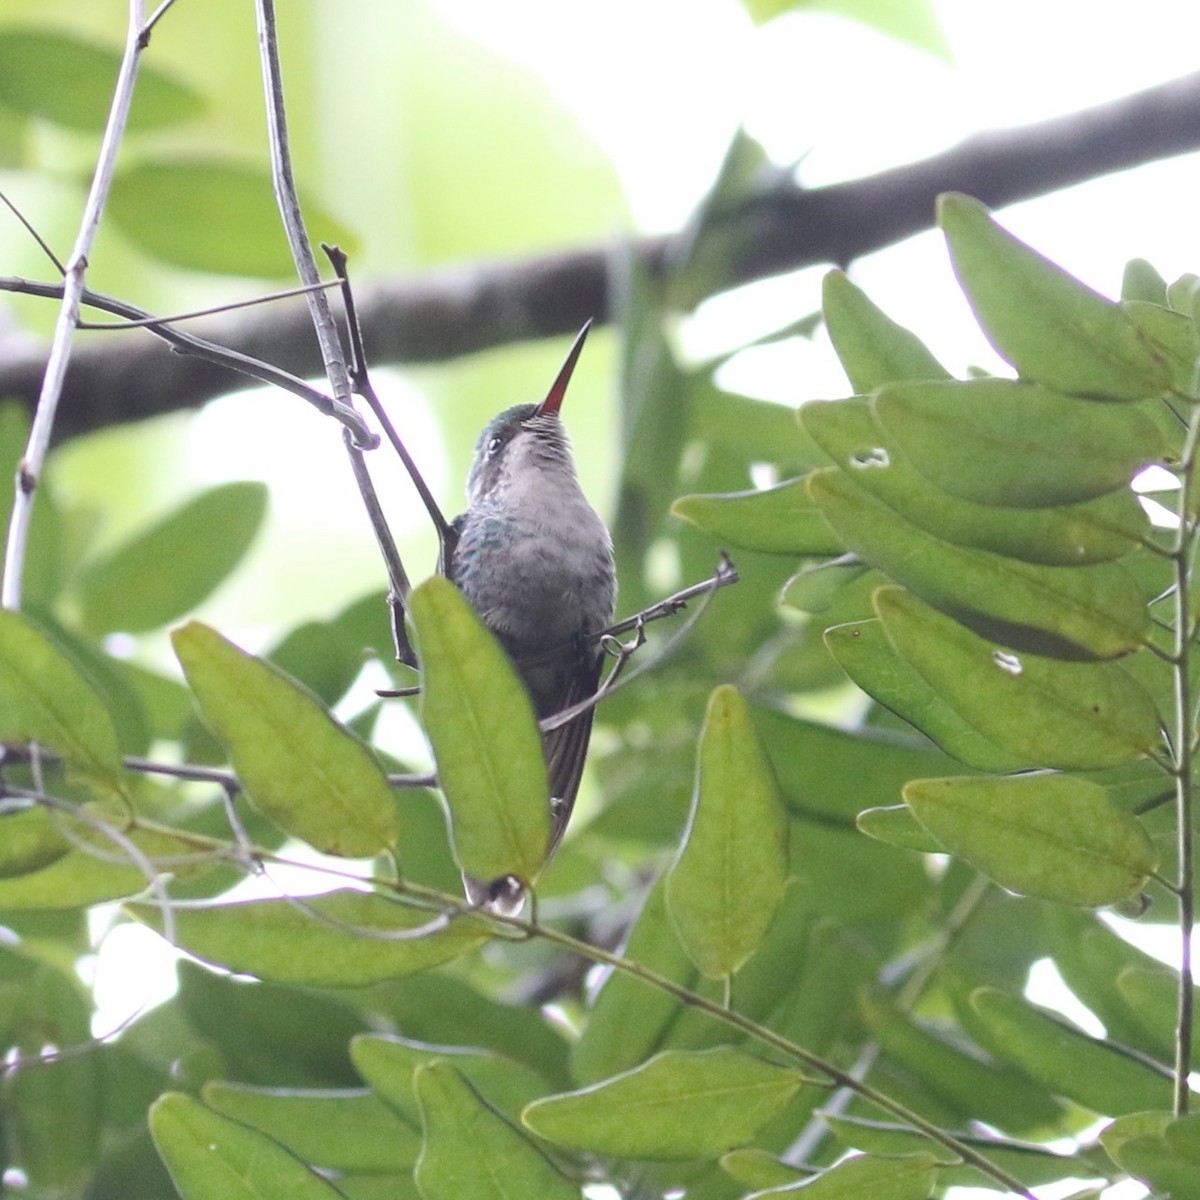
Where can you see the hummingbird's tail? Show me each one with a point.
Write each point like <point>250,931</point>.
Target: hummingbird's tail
<point>566,750</point>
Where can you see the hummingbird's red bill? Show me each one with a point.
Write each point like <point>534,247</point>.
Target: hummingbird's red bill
<point>554,398</point>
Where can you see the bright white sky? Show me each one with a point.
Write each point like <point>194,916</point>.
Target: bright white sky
<point>662,84</point>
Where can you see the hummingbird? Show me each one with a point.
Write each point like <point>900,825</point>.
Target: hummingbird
<point>535,561</point>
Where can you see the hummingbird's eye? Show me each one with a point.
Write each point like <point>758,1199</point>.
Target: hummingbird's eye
<point>493,446</point>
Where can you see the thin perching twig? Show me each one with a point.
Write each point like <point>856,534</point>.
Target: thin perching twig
<point>30,468</point>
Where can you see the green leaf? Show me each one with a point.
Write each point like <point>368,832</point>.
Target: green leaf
<point>389,1065</point>
<point>30,839</point>
<point>1175,336</point>
<point>1158,1149</point>
<point>759,1169</point>
<point>1052,328</point>
<point>45,699</point>
<point>1142,282</point>
<point>912,21</point>
<point>810,764</point>
<point>896,825</point>
<point>213,1158</point>
<point>1050,836</point>
<point>1069,612</point>
<point>1092,1072</point>
<point>340,939</point>
<point>776,520</point>
<point>910,1178</point>
<point>102,869</point>
<point>678,1105</point>
<point>728,880</point>
<point>1074,716</point>
<point>1030,1163</point>
<point>1093,531</point>
<point>1006,442</point>
<point>869,658</point>
<point>343,1130</point>
<point>874,350</point>
<point>240,233</point>
<point>471,1152</point>
<point>170,568</point>
<point>479,721</point>
<point>302,769</point>
<point>36,63</point>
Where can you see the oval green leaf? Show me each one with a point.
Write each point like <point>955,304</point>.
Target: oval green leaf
<point>1071,612</point>
<point>1096,530</point>
<point>728,880</point>
<point>470,1152</point>
<point>1007,442</point>
<point>1094,1073</point>
<point>910,1178</point>
<point>170,568</point>
<point>35,63</point>
<point>678,1105</point>
<point>776,520</point>
<point>30,839</point>
<point>873,348</point>
<point>45,699</point>
<point>1050,836</point>
<point>340,939</point>
<point>869,658</point>
<point>210,215</point>
<point>479,721</point>
<point>303,770</point>
<point>896,825</point>
<point>343,1130</point>
<point>389,1065</point>
<point>1052,328</point>
<point>210,1157</point>
<point>1073,716</point>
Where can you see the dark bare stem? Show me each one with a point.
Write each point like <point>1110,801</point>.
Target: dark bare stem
<point>233,306</point>
<point>197,347</point>
<point>74,274</point>
<point>43,245</point>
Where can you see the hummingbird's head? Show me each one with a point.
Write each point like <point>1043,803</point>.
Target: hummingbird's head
<point>525,438</point>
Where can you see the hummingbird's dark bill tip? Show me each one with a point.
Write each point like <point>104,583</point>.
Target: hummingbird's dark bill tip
<point>554,398</point>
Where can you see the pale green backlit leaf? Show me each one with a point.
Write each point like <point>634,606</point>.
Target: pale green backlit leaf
<point>873,348</point>
<point>470,1152</point>
<point>910,1178</point>
<point>869,658</point>
<point>1074,716</point>
<point>340,939</point>
<point>1096,530</point>
<point>678,1105</point>
<point>45,699</point>
<point>776,520</point>
<point>1006,442</point>
<point>1071,612</point>
<point>211,1157</point>
<point>240,234</point>
<point>728,880</point>
<point>300,767</point>
<point>170,568</point>
<point>479,721</point>
<point>1055,330</point>
<point>36,63</point>
<point>1092,1072</point>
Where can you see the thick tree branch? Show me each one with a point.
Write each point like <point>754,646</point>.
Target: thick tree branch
<point>457,310</point>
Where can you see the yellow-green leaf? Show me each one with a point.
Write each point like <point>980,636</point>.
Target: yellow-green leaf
<point>300,767</point>
<point>775,520</point>
<point>479,721</point>
<point>910,1178</point>
<point>340,939</point>
<point>470,1152</point>
<point>678,1105</point>
<point>210,1157</point>
<point>44,698</point>
<point>1052,328</point>
<point>728,880</point>
<point>1046,712</point>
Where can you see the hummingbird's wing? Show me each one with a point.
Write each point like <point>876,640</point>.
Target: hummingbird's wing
<point>566,749</point>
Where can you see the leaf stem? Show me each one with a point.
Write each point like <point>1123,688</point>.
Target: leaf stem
<point>1184,558</point>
